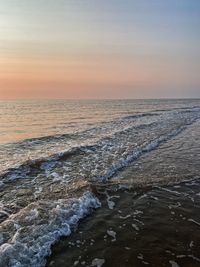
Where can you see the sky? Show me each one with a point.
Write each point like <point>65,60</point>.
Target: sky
<point>99,49</point>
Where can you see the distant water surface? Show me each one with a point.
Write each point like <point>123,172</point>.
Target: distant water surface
<point>21,120</point>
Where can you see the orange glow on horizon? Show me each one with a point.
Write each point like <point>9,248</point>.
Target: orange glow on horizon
<point>56,78</point>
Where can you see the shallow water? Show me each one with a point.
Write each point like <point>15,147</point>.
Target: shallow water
<point>128,157</point>
<point>160,227</point>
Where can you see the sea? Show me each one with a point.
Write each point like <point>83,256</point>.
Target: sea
<point>100,183</point>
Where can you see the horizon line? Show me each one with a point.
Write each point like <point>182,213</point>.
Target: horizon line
<point>99,99</point>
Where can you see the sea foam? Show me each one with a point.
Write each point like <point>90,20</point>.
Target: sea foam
<point>34,229</point>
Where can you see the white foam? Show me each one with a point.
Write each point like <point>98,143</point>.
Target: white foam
<point>111,204</point>
<point>168,190</point>
<point>174,264</point>
<point>135,227</point>
<point>125,217</point>
<point>174,206</point>
<point>189,256</point>
<point>40,225</point>
<point>191,220</point>
<point>98,262</point>
<point>136,212</point>
<point>191,244</point>
<point>140,256</point>
<point>112,234</point>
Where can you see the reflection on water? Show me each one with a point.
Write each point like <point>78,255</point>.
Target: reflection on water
<point>28,119</point>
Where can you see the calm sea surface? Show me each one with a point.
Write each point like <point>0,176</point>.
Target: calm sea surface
<point>100,183</point>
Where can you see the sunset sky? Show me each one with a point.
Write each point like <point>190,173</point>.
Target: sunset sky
<point>99,48</point>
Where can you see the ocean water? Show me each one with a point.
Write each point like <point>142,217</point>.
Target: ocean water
<point>100,183</point>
